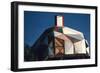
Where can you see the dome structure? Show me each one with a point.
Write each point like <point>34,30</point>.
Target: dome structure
<point>60,42</point>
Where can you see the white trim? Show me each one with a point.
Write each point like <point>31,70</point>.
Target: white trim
<point>22,64</point>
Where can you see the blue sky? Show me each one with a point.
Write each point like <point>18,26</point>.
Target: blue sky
<point>35,24</point>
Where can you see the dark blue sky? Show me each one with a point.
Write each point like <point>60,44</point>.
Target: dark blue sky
<point>35,24</point>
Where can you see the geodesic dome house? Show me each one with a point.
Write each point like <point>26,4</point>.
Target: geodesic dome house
<point>60,42</point>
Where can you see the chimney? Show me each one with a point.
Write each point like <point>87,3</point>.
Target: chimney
<point>59,21</point>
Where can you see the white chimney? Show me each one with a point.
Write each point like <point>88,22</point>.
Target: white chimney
<point>59,21</point>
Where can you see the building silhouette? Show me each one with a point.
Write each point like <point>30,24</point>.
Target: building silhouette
<point>59,43</point>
